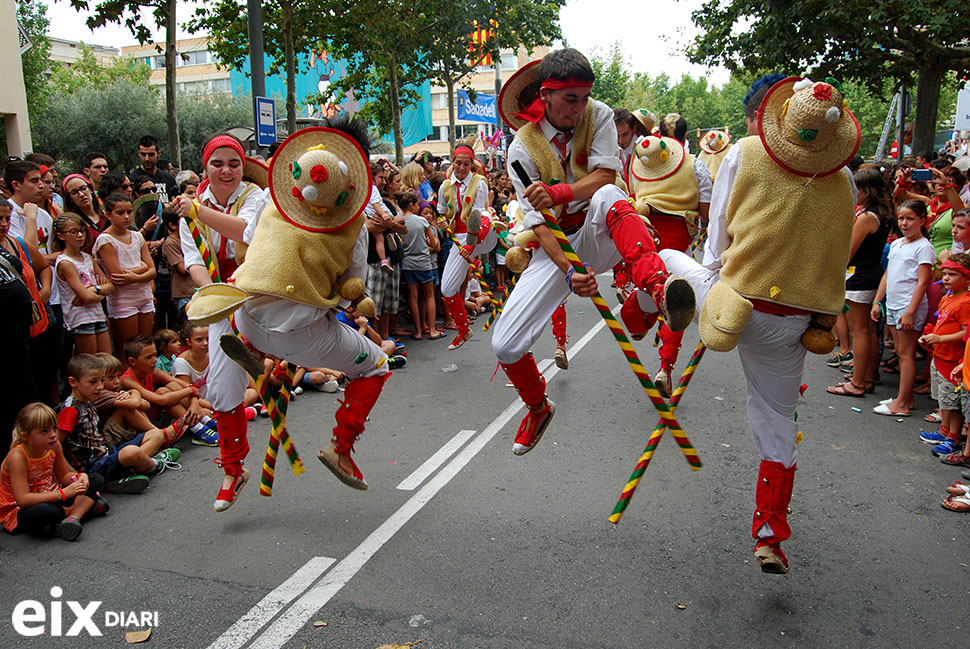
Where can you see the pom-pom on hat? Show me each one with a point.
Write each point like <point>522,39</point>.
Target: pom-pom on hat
<point>320,179</point>
<point>656,158</point>
<point>714,141</point>
<point>807,127</point>
<point>646,121</point>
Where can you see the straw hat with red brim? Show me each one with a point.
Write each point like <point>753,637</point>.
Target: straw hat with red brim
<point>320,179</point>
<point>656,158</point>
<point>807,128</point>
<point>714,141</point>
<point>256,172</point>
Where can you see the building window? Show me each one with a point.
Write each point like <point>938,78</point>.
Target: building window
<point>509,61</point>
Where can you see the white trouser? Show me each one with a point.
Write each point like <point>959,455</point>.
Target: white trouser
<point>542,286</point>
<point>456,268</point>
<point>226,382</point>
<point>772,358</point>
<point>321,342</point>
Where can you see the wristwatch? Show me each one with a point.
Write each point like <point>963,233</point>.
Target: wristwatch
<point>97,289</point>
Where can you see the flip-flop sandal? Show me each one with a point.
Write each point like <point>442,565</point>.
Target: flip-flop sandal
<point>959,489</point>
<point>841,391</point>
<point>933,418</point>
<point>440,335</point>
<point>959,504</point>
<point>883,409</point>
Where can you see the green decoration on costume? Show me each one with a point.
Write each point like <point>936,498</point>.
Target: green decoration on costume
<point>663,145</point>
<point>808,134</point>
<point>554,181</point>
<point>832,81</point>
<point>360,358</point>
<point>342,198</point>
<point>296,170</point>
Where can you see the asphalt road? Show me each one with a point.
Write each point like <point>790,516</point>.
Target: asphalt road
<point>494,551</point>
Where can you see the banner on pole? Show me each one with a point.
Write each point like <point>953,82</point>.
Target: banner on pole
<point>483,109</point>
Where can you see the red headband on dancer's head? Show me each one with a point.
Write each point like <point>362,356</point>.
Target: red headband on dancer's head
<point>218,142</point>
<point>537,109</point>
<point>463,150</point>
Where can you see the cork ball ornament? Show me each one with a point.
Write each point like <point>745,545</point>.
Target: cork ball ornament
<point>818,338</point>
<point>367,307</point>
<point>517,259</point>
<point>352,289</point>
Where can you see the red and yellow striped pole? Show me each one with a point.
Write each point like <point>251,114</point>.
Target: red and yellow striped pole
<point>658,431</point>
<point>474,267</point>
<point>625,345</point>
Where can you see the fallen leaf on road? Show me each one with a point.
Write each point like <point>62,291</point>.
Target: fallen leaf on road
<point>680,606</point>
<point>400,646</point>
<point>134,637</point>
<point>320,623</point>
<point>726,445</point>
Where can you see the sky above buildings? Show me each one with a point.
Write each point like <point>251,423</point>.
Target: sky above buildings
<point>652,42</point>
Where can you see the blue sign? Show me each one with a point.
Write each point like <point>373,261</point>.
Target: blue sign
<point>483,109</point>
<point>265,121</point>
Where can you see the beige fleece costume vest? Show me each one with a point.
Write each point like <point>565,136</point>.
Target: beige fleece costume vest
<point>295,264</point>
<point>713,160</point>
<point>676,195</point>
<point>469,198</point>
<point>790,235</point>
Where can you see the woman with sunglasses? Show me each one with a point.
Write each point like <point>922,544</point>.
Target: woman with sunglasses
<point>115,181</point>
<point>79,197</point>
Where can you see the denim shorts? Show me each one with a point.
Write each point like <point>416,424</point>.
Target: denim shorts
<point>417,276</point>
<point>919,319</point>
<point>89,328</point>
<point>108,466</point>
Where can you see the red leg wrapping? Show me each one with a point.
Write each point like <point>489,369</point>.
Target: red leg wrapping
<point>233,443</point>
<point>772,496</point>
<point>359,398</point>
<point>456,307</point>
<point>559,324</point>
<point>637,248</point>
<point>525,376</point>
<point>637,322</point>
<point>669,347</point>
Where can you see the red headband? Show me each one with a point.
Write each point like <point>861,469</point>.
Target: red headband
<point>69,177</point>
<point>954,266</point>
<point>218,142</point>
<point>463,150</point>
<point>537,109</point>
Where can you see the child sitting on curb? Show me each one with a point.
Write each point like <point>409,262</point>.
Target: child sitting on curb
<point>39,491</point>
<point>85,448</point>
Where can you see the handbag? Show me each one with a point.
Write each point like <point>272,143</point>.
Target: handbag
<point>39,325</point>
<point>394,247</point>
<point>35,314</point>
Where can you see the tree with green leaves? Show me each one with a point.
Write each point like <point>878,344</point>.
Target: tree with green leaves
<point>612,76</point>
<point>848,39</point>
<point>32,14</point>
<point>291,28</point>
<point>128,13</point>
<point>87,72</point>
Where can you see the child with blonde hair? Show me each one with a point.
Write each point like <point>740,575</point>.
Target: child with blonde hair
<point>39,491</point>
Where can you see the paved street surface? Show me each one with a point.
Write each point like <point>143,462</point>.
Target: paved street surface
<point>487,550</point>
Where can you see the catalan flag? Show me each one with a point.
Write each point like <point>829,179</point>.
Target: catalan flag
<point>479,38</point>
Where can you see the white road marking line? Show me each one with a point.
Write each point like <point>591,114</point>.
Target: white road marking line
<point>431,465</point>
<point>258,616</point>
<point>299,613</point>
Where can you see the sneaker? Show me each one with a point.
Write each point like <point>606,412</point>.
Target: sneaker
<point>250,413</point>
<point>167,459</point>
<point>837,359</point>
<point>264,412</point>
<point>562,361</point>
<point>205,436</point>
<point>133,484</point>
<point>101,507</point>
<point>846,366</point>
<point>331,386</point>
<point>933,437</point>
<point>532,428</point>
<point>297,390</point>
<point>771,559</point>
<point>396,362</point>
<point>956,458</point>
<point>70,528</point>
<point>386,266</point>
<point>946,448</point>
<point>663,383</point>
